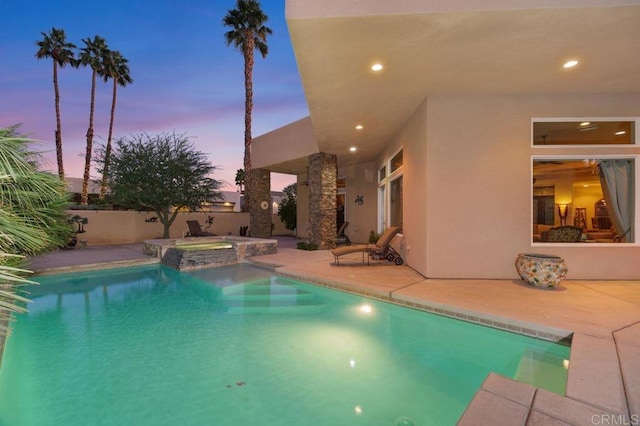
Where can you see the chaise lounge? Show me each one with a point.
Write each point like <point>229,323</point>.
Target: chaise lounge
<point>381,247</point>
<point>341,238</point>
<point>195,230</point>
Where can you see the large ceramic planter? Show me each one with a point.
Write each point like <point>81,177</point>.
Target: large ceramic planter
<point>541,270</point>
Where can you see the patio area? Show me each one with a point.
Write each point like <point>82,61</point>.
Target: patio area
<point>601,317</point>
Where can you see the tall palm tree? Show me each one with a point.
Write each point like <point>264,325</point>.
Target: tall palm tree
<point>55,46</point>
<point>247,33</point>
<point>116,68</point>
<point>92,55</point>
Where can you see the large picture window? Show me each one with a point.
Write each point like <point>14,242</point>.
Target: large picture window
<point>584,199</point>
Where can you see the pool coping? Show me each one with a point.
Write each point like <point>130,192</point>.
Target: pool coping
<point>96,266</point>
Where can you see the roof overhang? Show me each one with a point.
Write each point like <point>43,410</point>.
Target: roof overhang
<point>450,47</point>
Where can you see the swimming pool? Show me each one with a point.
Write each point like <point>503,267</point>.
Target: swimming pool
<point>236,345</point>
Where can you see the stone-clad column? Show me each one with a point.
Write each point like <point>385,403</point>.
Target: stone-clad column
<point>323,170</point>
<point>260,222</point>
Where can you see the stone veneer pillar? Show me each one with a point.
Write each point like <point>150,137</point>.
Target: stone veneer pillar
<point>323,170</point>
<point>260,219</point>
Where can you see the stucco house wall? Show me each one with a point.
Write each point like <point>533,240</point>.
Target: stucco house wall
<point>413,140</point>
<point>361,181</point>
<point>478,180</point>
<point>298,137</point>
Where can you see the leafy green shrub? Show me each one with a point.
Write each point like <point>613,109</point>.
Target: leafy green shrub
<point>307,245</point>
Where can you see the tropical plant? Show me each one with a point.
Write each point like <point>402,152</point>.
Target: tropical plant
<point>92,55</point>
<point>287,210</point>
<point>118,71</point>
<point>162,173</point>
<point>307,245</point>
<point>55,46</point>
<point>247,33</point>
<point>32,218</point>
<point>240,180</point>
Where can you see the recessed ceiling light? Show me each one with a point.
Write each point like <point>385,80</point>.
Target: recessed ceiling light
<point>352,149</point>
<point>376,67</point>
<point>621,132</point>
<point>570,64</point>
<point>585,123</point>
<point>359,127</point>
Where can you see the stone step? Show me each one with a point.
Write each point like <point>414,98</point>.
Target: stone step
<point>543,370</point>
<point>274,306</point>
<point>262,287</point>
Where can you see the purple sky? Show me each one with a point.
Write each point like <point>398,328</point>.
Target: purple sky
<point>185,77</point>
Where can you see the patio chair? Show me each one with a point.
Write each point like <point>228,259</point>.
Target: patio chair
<point>195,230</point>
<point>341,238</point>
<point>382,247</point>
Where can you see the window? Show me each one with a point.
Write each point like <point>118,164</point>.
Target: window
<point>395,202</point>
<point>382,174</point>
<point>390,193</point>
<point>590,190</point>
<point>585,132</point>
<point>597,195</point>
<point>396,162</point>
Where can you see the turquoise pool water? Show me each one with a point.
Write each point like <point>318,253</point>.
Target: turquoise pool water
<point>237,346</point>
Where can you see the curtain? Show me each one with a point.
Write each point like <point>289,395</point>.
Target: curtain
<point>617,179</point>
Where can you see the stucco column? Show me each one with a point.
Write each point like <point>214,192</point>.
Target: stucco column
<point>260,221</point>
<point>323,170</point>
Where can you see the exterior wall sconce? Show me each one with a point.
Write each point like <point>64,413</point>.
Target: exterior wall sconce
<point>563,210</point>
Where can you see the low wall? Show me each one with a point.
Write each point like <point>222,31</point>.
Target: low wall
<point>195,253</point>
<point>122,227</point>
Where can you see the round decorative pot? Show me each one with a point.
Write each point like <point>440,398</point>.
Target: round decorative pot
<point>541,270</point>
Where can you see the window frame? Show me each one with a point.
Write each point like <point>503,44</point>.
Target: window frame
<point>591,156</point>
<point>635,144</point>
<point>384,189</point>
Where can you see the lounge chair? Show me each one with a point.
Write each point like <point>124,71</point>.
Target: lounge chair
<point>195,230</point>
<point>382,248</point>
<point>341,238</point>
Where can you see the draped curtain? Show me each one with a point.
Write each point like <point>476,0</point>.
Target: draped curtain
<point>617,179</point>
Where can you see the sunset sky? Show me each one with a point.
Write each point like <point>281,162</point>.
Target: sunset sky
<point>185,77</point>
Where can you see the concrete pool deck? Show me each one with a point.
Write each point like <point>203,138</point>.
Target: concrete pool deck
<point>602,317</point>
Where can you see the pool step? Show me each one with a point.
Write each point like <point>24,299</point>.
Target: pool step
<point>267,296</point>
<point>542,370</point>
<point>275,306</point>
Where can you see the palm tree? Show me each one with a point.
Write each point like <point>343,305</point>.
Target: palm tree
<point>91,55</point>
<point>54,45</point>
<point>247,34</point>
<point>32,218</point>
<point>240,180</point>
<point>116,68</point>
